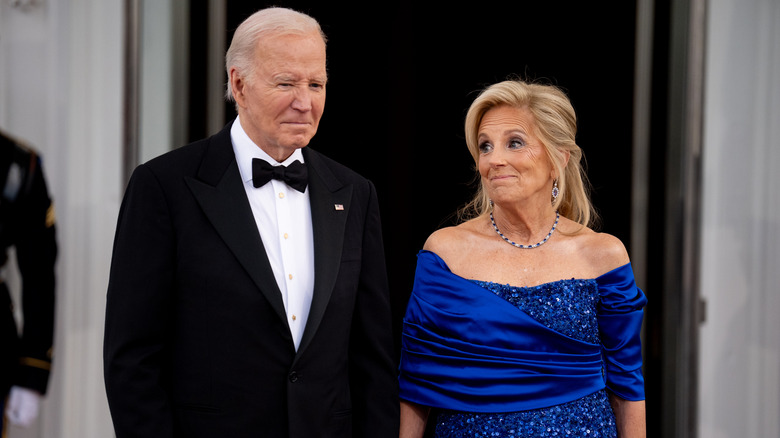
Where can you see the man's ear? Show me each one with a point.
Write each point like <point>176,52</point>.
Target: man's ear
<point>237,84</point>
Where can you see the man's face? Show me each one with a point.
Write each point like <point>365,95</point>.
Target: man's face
<point>281,103</point>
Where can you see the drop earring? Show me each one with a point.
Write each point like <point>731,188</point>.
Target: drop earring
<point>555,190</point>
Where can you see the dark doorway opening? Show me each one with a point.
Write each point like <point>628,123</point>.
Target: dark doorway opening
<point>402,75</point>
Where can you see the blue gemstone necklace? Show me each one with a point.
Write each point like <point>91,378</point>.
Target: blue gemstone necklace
<point>557,217</point>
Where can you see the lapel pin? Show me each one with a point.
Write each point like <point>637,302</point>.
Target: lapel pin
<point>339,207</point>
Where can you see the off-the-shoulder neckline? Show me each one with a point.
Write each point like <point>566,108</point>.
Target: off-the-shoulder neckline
<point>596,279</point>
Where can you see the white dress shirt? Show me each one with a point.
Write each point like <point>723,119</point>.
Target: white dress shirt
<point>283,217</point>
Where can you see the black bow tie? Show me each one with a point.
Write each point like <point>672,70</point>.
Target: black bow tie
<point>294,175</point>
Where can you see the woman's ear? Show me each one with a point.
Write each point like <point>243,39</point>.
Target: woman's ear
<point>566,156</point>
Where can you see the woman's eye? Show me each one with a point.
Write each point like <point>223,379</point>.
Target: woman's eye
<point>516,144</point>
<point>485,147</point>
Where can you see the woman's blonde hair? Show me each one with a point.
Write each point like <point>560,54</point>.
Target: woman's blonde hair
<point>556,125</point>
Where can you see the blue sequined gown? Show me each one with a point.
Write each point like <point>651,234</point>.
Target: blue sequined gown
<point>460,353</point>
<point>568,306</point>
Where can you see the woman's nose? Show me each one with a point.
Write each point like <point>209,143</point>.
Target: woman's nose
<point>497,157</point>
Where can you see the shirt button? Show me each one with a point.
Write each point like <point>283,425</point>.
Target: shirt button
<point>290,276</point>
<point>293,377</point>
<point>286,236</point>
<point>281,195</point>
<point>294,318</point>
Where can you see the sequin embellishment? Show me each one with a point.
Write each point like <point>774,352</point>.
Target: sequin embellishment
<point>567,306</point>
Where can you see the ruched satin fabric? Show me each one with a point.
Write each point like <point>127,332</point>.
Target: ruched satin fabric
<point>466,349</point>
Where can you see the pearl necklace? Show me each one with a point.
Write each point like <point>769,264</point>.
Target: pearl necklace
<point>557,216</point>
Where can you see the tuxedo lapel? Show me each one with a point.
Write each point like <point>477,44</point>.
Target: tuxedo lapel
<point>330,205</point>
<point>220,192</point>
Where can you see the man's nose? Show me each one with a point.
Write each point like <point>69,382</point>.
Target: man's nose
<point>302,99</point>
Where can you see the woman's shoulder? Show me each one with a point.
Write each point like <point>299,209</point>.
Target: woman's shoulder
<point>597,252</point>
<point>604,251</point>
<point>449,241</point>
<point>444,239</point>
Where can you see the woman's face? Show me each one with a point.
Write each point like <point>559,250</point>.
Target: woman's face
<point>512,160</point>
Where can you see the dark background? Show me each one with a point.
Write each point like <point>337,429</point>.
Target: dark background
<point>401,78</point>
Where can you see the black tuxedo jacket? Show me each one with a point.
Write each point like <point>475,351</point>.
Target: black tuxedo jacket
<point>196,341</point>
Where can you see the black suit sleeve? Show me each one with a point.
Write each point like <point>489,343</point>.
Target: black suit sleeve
<point>373,372</point>
<point>138,309</point>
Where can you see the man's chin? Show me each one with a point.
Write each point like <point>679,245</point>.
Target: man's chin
<point>297,141</point>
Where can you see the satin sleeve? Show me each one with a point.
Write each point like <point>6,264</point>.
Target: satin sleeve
<point>465,348</point>
<point>620,316</point>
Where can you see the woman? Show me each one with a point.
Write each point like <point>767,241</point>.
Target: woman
<point>523,321</point>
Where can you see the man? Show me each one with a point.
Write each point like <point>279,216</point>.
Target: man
<point>241,304</point>
<point>26,223</point>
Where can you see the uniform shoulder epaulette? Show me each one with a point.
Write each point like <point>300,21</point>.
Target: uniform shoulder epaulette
<point>24,147</point>
<point>24,160</point>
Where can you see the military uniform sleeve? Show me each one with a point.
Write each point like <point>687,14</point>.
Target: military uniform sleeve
<point>36,252</point>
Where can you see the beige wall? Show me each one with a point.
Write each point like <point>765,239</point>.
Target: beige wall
<point>739,376</point>
<point>60,89</point>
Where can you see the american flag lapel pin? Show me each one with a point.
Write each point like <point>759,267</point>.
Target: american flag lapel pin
<point>339,207</point>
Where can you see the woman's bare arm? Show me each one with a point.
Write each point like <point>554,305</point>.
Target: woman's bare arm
<point>630,417</point>
<point>413,419</point>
